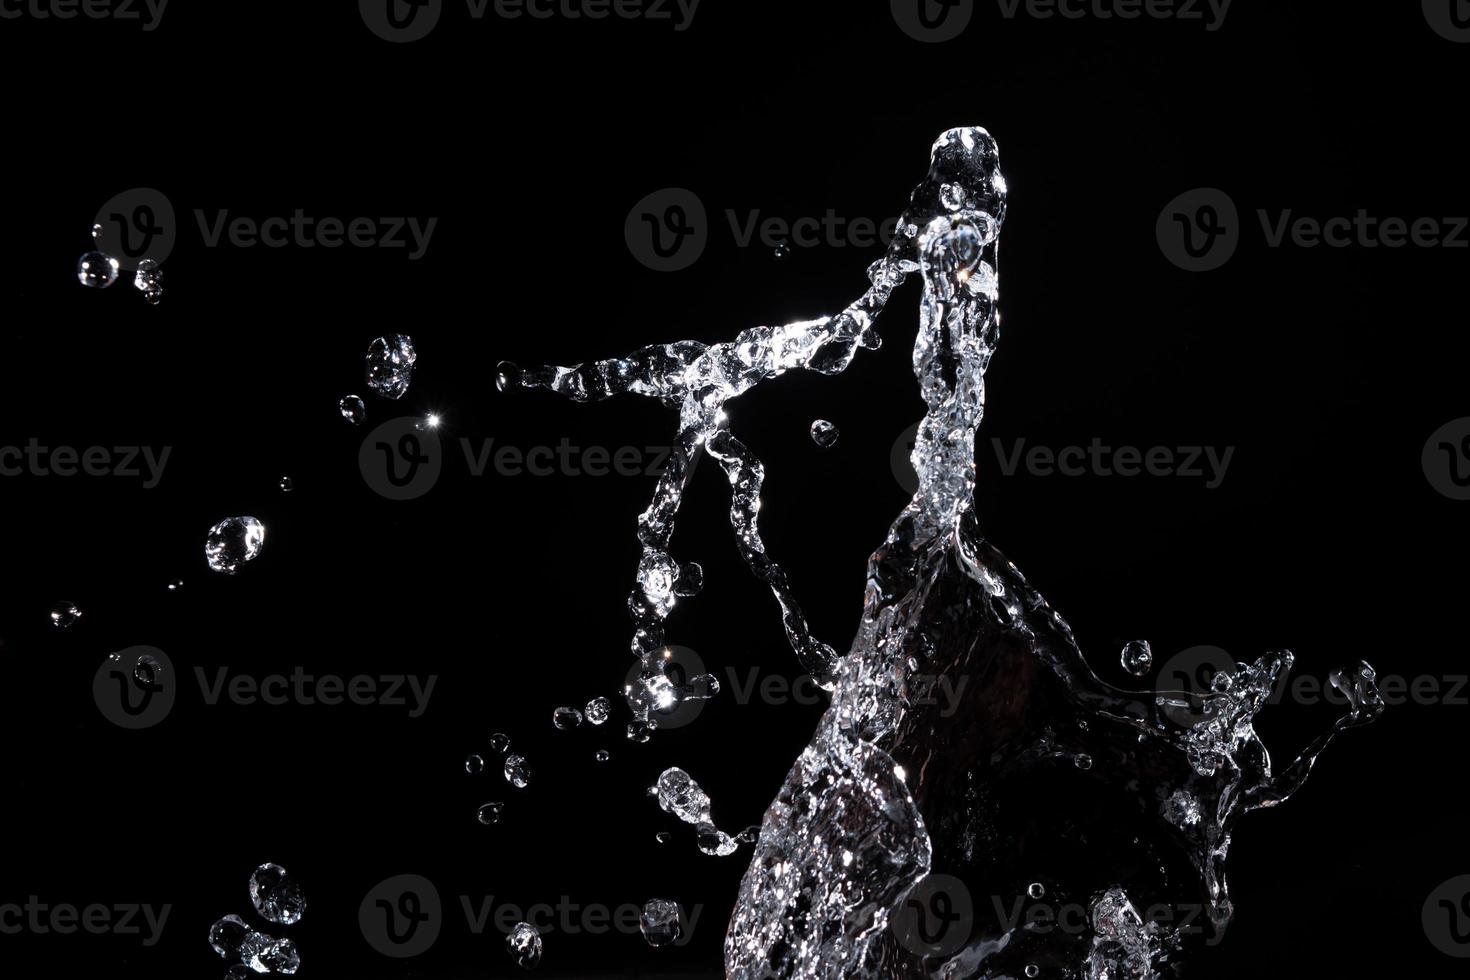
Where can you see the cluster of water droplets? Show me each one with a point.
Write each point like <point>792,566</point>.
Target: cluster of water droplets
<point>278,899</point>
<point>98,270</point>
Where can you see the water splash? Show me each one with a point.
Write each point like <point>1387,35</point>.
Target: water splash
<point>1039,771</point>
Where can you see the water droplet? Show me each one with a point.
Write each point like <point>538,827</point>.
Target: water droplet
<point>824,434</point>
<point>239,971</point>
<point>390,361</point>
<point>1032,970</point>
<point>663,836</point>
<point>517,771</point>
<point>97,232</point>
<point>352,409</point>
<point>1222,682</point>
<point>474,764</point>
<point>1083,761</point>
<point>286,485</point>
<point>713,841</point>
<point>277,896</point>
<point>782,250</point>
<point>176,585</point>
<point>228,935</point>
<point>1036,890</point>
<point>64,614</point>
<point>428,423</point>
<point>507,375</point>
<point>603,755</point>
<point>491,813</point>
<point>598,710</point>
<point>659,922</point>
<point>1137,657</point>
<point>691,579</point>
<point>96,270</point>
<point>524,943</point>
<point>500,743</point>
<point>233,542</point>
<point>274,956</point>
<point>566,719</point>
<point>148,280</point>
<point>147,669</point>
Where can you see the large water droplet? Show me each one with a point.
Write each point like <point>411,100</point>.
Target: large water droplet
<point>352,409</point>
<point>277,896</point>
<point>148,280</point>
<point>824,434</point>
<point>233,542</point>
<point>1137,657</point>
<point>474,764</point>
<point>524,943</point>
<point>390,363</point>
<point>491,813</point>
<point>96,270</point>
<point>228,935</point>
<point>566,719</point>
<point>517,771</point>
<point>659,922</point>
<point>500,743</point>
<point>598,710</point>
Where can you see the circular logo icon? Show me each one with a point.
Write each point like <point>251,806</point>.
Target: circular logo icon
<point>681,666</point>
<point>135,688</point>
<point>1447,917</point>
<point>1450,19</point>
<point>900,459</point>
<point>135,225</point>
<point>933,21</point>
<point>400,21</point>
<point>936,917</point>
<point>667,230</point>
<point>401,916</point>
<point>400,459</point>
<point>1446,459</point>
<point>1199,230</point>
<point>1185,679</point>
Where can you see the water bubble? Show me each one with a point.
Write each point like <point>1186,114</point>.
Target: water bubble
<point>566,719</point>
<point>228,935</point>
<point>474,764</point>
<point>65,614</point>
<point>96,270</point>
<point>603,755</point>
<point>517,771</point>
<point>390,361</point>
<point>352,409</point>
<point>286,485</point>
<point>659,922</point>
<point>1032,970</point>
<point>500,743</point>
<point>524,943</point>
<point>491,813</point>
<point>1137,657</point>
<point>277,896</point>
<point>1083,761</point>
<point>824,434</point>
<point>1036,890</point>
<point>598,710</point>
<point>233,542</point>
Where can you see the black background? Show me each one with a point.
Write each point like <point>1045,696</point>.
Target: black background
<point>1326,369</point>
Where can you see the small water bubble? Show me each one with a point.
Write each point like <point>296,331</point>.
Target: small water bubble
<point>96,270</point>
<point>390,360</point>
<point>1083,761</point>
<point>286,485</point>
<point>500,742</point>
<point>277,896</point>
<point>603,755</point>
<point>352,409</point>
<point>1137,657</point>
<point>824,434</point>
<point>660,922</point>
<point>566,719</point>
<point>233,542</point>
<point>517,771</point>
<point>65,614</point>
<point>474,764</point>
<point>507,375</point>
<point>598,710</point>
<point>1036,890</point>
<point>491,813</point>
<point>524,943</point>
<point>1032,970</point>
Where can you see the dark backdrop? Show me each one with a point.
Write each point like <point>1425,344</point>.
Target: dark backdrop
<point>529,141</point>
